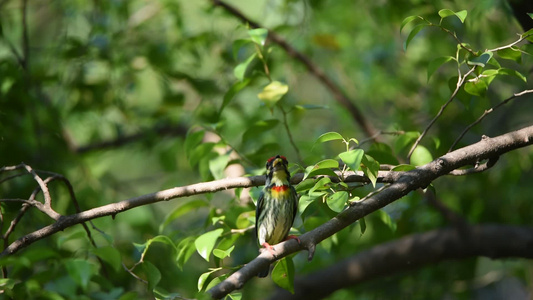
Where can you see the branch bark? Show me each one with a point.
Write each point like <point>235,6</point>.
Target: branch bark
<point>409,181</point>
<point>412,252</point>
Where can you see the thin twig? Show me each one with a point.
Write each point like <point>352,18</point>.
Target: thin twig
<point>485,113</point>
<point>287,129</point>
<point>335,90</point>
<point>460,82</point>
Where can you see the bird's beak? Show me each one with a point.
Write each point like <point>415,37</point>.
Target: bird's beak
<point>278,165</point>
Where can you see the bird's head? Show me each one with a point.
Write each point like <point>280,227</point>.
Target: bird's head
<point>277,169</point>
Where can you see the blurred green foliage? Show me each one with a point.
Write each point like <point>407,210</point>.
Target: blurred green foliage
<point>126,98</point>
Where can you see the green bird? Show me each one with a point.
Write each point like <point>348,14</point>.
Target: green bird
<point>276,207</point>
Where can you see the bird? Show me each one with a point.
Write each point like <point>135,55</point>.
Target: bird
<point>276,207</point>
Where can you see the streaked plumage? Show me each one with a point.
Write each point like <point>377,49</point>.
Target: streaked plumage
<point>276,207</point>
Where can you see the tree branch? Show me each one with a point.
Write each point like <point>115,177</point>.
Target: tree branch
<point>336,91</point>
<point>412,252</point>
<point>409,181</point>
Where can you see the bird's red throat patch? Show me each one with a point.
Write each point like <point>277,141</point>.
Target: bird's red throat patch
<point>280,188</point>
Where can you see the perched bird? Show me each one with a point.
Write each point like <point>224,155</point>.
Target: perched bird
<point>276,207</point>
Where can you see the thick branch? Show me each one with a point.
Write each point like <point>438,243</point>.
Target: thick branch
<point>415,251</point>
<point>408,181</point>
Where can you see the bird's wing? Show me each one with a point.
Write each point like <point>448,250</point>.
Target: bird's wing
<point>258,209</point>
<point>294,203</point>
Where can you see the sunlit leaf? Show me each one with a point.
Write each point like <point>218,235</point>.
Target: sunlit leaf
<point>421,156</point>
<point>444,13</point>
<point>223,253</point>
<point>352,158</point>
<point>408,20</point>
<point>328,136</point>
<point>337,201</point>
<point>273,92</point>
<point>258,35</point>
<point>321,168</point>
<point>412,34</point>
<point>206,242</point>
<point>320,184</point>
<point>511,54</point>
<point>240,69</point>
<point>370,168</point>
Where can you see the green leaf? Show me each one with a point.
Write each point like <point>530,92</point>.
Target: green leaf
<point>404,141</point>
<point>110,255</point>
<point>272,93</point>
<point>386,219</point>
<point>217,166</point>
<point>510,72</point>
<point>370,168</point>
<point>310,106</point>
<point>476,88</point>
<point>7,284</point>
<point>235,296</point>
<point>258,128</point>
<point>444,13</point>
<point>186,249</point>
<point>320,184</point>
<point>362,223</point>
<point>240,69</point>
<point>412,34</point>
<point>258,35</point>
<point>481,60</point>
<point>244,219</point>
<point>237,45</point>
<point>200,152</point>
<point>202,280</point>
<point>352,158</point>
<point>325,165</point>
<point>436,63</point>
<point>511,54</point>
<point>192,140</point>
<point>182,208</point>
<point>528,35</point>
<point>235,88</point>
<point>153,275</point>
<point>421,156</point>
<point>337,201</point>
<point>206,242</point>
<point>223,253</point>
<point>408,20</point>
<point>304,202</point>
<point>305,185</point>
<point>80,271</point>
<point>328,136</point>
<point>79,234</point>
<point>403,168</point>
<point>283,274</point>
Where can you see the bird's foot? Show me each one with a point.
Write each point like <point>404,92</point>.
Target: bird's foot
<point>293,237</point>
<point>269,248</point>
